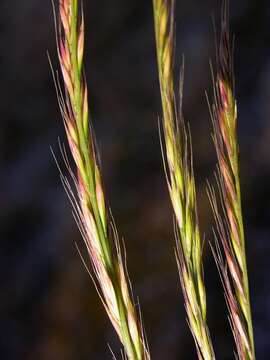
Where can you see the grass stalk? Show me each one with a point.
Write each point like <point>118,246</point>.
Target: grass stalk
<point>230,226</point>
<point>181,184</point>
<point>90,209</point>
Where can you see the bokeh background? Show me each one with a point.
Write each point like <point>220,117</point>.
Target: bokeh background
<point>48,306</point>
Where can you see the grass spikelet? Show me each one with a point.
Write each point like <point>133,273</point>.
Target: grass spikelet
<point>230,226</point>
<point>89,203</point>
<point>181,183</point>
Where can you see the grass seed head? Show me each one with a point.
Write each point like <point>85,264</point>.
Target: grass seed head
<point>230,228</point>
<point>90,206</point>
<point>181,183</point>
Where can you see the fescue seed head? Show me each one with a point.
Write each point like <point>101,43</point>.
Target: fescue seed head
<point>181,183</point>
<point>230,229</point>
<point>90,207</point>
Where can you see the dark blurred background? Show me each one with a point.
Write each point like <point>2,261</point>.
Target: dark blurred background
<point>48,306</point>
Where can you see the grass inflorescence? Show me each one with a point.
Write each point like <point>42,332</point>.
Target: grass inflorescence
<point>91,213</point>
<point>181,184</point>
<point>93,218</point>
<point>230,229</point>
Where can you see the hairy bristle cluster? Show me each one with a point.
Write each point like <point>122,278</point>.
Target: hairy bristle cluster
<point>181,183</point>
<point>231,230</point>
<point>89,203</point>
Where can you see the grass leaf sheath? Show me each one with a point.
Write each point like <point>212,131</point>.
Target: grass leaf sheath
<point>230,226</point>
<point>89,203</point>
<point>181,183</point>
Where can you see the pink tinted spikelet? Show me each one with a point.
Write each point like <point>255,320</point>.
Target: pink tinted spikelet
<point>89,203</point>
<point>230,229</point>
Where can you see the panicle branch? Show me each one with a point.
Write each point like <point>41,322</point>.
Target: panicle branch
<point>181,184</point>
<point>230,227</point>
<point>90,207</point>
